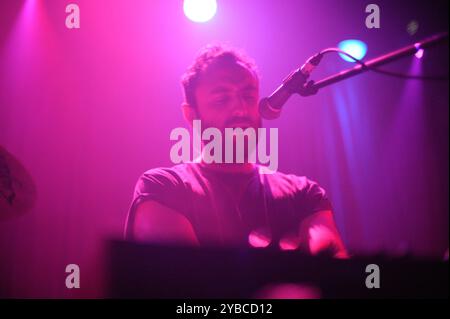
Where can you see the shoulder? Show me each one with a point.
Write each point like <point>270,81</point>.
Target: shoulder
<point>282,183</point>
<point>164,175</point>
<point>166,172</point>
<point>170,179</point>
<point>305,193</point>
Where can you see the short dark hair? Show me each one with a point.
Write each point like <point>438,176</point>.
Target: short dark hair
<point>209,55</point>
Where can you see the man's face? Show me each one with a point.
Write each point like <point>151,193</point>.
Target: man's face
<point>227,96</point>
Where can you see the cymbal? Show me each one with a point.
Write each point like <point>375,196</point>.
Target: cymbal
<point>17,188</point>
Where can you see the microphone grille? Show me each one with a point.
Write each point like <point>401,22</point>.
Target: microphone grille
<point>267,111</point>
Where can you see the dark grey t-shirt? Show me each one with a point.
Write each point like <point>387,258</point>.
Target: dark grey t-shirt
<point>224,208</point>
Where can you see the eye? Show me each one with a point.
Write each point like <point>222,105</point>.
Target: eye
<point>221,100</point>
<point>250,98</point>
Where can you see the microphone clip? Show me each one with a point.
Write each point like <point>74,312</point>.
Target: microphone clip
<point>296,81</point>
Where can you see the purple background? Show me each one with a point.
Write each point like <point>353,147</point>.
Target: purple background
<point>87,111</point>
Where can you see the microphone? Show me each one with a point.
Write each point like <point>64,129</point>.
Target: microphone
<point>270,107</point>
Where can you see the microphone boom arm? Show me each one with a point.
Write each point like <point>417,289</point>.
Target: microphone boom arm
<point>384,59</point>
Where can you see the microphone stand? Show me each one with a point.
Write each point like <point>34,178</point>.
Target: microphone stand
<point>311,88</point>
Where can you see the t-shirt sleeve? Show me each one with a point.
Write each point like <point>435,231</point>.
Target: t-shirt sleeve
<point>161,185</point>
<point>312,198</point>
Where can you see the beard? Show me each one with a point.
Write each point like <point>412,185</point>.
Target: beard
<point>240,136</point>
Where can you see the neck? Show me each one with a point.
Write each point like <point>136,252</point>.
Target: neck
<point>230,167</point>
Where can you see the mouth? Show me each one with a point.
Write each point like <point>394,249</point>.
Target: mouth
<point>243,125</point>
<point>240,124</point>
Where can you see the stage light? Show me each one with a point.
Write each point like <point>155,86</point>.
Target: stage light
<point>419,53</point>
<point>259,239</point>
<point>355,48</point>
<point>200,10</point>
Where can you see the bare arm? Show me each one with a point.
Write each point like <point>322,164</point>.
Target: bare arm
<point>318,233</point>
<point>157,223</point>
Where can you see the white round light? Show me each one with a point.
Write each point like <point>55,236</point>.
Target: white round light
<point>200,10</point>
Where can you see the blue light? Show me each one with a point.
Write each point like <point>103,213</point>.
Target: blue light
<point>355,48</point>
<point>200,10</point>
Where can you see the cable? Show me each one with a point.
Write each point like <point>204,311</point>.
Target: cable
<point>385,72</point>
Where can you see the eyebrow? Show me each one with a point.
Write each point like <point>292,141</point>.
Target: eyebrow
<point>220,89</point>
<point>250,87</point>
<point>223,89</point>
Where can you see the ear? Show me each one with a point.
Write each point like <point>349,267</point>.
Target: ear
<point>190,113</point>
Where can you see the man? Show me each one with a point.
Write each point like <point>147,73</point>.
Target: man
<point>229,204</point>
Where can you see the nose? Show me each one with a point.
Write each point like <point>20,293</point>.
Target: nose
<point>239,112</point>
<point>239,108</point>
